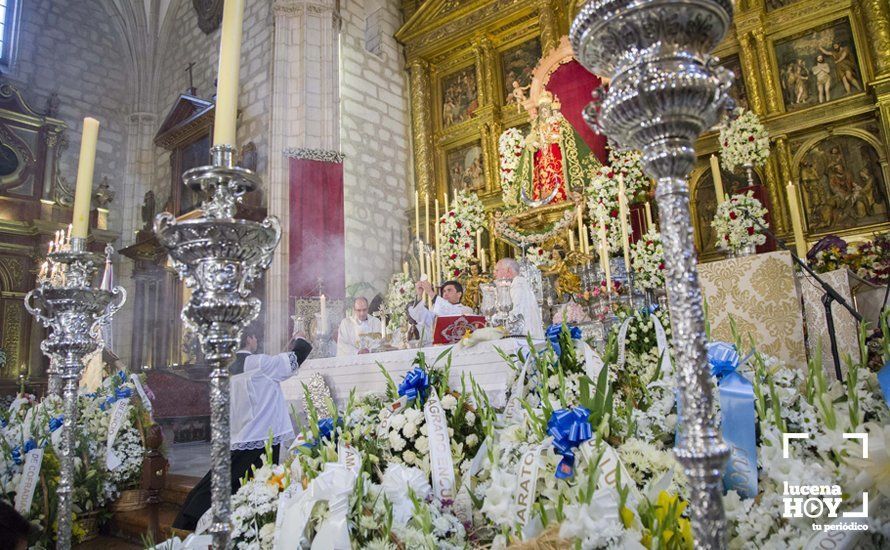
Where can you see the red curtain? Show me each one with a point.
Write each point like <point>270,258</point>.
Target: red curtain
<point>572,84</point>
<point>316,228</point>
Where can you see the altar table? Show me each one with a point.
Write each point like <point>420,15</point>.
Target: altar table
<point>362,372</point>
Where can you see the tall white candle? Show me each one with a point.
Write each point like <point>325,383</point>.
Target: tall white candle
<point>83,190</point>
<point>226,112</point>
<point>417,214</point>
<point>622,215</point>
<point>324,313</point>
<point>800,242</point>
<point>649,224</point>
<point>718,179</point>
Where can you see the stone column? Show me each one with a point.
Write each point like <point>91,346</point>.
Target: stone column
<point>422,125</point>
<point>747,55</point>
<point>875,14</point>
<point>304,114</point>
<point>772,98</point>
<point>549,26</point>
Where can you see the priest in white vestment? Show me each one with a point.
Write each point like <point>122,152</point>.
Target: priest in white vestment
<point>258,411</point>
<point>447,302</point>
<point>523,297</point>
<point>353,327</point>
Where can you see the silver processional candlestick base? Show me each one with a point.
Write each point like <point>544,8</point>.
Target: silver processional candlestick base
<point>219,258</point>
<point>665,90</point>
<point>72,310</point>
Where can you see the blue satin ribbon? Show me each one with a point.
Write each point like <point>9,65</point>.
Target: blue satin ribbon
<point>884,381</point>
<point>553,333</point>
<point>18,454</point>
<point>415,384</point>
<point>736,395</point>
<point>569,428</point>
<point>56,423</point>
<point>325,431</point>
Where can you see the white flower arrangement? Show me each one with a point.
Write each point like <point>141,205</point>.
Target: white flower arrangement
<point>457,230</point>
<point>510,146</point>
<point>743,142</point>
<point>602,193</point>
<point>737,222</point>
<point>398,296</point>
<point>647,258</point>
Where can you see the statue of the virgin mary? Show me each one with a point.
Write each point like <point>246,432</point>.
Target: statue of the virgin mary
<point>555,159</point>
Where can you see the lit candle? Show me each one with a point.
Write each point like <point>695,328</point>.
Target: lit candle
<point>226,113</point>
<point>604,252</point>
<point>324,313</point>
<point>44,267</point>
<point>800,242</point>
<point>580,215</point>
<point>571,240</point>
<point>479,243</point>
<point>426,218</point>
<point>622,214</point>
<point>484,262</point>
<point>417,214</point>
<point>50,248</point>
<point>649,224</point>
<point>438,243</point>
<point>405,268</point>
<point>83,191</point>
<point>718,179</point>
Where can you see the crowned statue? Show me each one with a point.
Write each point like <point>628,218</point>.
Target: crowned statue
<point>555,158</point>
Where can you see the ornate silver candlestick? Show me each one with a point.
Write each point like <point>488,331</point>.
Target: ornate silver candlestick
<point>72,310</point>
<point>665,90</point>
<point>219,258</point>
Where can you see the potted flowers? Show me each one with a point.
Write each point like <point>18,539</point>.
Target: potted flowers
<point>737,223</point>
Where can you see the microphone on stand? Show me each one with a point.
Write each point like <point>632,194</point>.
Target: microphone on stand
<point>829,293</point>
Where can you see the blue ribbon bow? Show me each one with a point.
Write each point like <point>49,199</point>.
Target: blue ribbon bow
<point>56,422</point>
<point>736,395</point>
<point>123,392</point>
<point>415,384</point>
<point>18,454</point>
<point>553,333</point>
<point>569,428</point>
<point>325,431</point>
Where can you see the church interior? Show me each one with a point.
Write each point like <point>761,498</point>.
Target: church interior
<point>646,238</point>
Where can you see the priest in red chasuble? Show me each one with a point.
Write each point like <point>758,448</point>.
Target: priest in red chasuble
<point>556,159</point>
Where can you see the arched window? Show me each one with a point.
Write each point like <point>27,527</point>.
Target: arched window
<point>8,19</point>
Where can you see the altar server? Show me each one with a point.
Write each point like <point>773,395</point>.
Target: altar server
<point>354,326</point>
<point>249,345</point>
<point>447,302</point>
<point>258,410</point>
<point>523,297</point>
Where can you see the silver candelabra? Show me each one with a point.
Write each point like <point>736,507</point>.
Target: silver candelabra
<point>72,310</point>
<point>219,258</point>
<point>665,90</point>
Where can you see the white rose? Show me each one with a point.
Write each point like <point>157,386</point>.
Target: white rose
<point>449,402</point>
<point>470,417</point>
<point>396,441</point>
<point>413,415</point>
<point>422,444</point>
<point>409,457</point>
<point>410,429</point>
<point>472,440</point>
<point>397,421</point>
<point>424,430</point>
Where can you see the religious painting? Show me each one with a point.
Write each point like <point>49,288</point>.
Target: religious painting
<point>842,185</point>
<point>705,199</point>
<point>465,170</point>
<point>818,66</point>
<point>193,155</point>
<point>460,96</point>
<point>517,65</point>
<point>738,91</point>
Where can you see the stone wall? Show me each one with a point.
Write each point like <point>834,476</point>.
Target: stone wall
<point>182,42</point>
<point>374,138</point>
<point>73,49</point>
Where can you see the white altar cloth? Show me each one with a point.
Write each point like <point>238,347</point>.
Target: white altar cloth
<point>362,372</point>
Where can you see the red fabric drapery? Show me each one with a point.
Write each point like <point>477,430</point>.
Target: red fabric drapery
<point>572,84</point>
<point>316,244</point>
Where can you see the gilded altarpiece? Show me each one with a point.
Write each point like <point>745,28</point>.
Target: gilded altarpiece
<point>783,53</point>
<point>818,76</point>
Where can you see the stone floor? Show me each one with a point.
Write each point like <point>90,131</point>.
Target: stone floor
<point>189,459</point>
